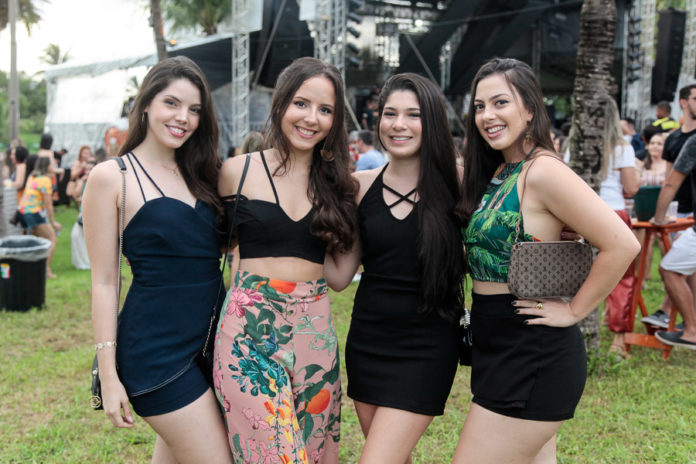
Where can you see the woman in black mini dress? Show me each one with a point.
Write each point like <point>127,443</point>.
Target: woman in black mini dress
<point>402,348</point>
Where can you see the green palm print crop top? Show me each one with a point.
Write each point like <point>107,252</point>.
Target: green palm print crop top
<point>491,231</point>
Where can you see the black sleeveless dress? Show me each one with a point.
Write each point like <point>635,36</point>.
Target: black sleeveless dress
<point>396,357</point>
<point>174,255</point>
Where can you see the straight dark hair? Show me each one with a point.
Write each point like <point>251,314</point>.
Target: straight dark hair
<point>440,252</point>
<point>29,164</point>
<point>480,160</point>
<point>197,158</point>
<point>331,188</point>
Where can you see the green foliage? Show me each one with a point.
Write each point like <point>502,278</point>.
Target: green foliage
<point>189,14</point>
<point>28,13</point>
<point>32,105</point>
<point>53,55</point>
<point>633,411</point>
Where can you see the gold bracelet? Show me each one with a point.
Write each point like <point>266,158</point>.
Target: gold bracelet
<point>102,345</point>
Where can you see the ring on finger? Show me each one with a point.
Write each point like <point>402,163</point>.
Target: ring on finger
<point>539,305</point>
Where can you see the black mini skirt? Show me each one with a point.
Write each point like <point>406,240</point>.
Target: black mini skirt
<point>533,372</point>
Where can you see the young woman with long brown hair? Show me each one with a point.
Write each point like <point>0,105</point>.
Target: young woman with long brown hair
<point>173,248</point>
<point>276,364</point>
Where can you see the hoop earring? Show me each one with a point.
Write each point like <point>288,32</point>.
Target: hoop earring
<point>326,155</point>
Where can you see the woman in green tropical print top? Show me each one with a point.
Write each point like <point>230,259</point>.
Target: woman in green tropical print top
<point>528,359</point>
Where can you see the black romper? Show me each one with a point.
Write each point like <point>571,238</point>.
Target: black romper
<point>396,357</point>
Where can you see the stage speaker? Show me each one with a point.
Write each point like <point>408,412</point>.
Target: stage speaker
<point>668,57</point>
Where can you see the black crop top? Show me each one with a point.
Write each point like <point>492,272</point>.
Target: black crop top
<point>265,230</point>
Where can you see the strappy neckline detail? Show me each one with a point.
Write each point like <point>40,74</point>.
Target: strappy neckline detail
<point>402,196</point>
<point>275,194</point>
<point>131,156</point>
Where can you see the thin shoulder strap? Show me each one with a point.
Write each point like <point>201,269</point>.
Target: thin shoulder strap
<point>270,178</point>
<point>121,221</point>
<point>135,172</point>
<point>524,188</point>
<point>148,175</point>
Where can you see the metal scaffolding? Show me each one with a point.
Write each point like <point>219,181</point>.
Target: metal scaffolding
<point>240,75</point>
<point>328,28</point>
<point>446,54</point>
<point>637,93</point>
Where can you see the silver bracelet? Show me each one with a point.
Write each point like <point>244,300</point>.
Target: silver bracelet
<point>102,345</point>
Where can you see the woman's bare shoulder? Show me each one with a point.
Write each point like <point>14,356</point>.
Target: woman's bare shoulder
<point>365,178</point>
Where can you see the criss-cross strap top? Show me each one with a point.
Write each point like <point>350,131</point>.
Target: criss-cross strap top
<point>492,229</point>
<point>389,244</point>
<point>265,230</point>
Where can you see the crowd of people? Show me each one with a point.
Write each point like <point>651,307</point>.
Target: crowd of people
<point>300,207</point>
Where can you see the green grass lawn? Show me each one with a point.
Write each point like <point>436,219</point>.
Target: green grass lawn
<point>636,411</point>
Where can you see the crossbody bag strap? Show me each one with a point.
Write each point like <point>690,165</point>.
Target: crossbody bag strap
<point>227,245</point>
<point>121,221</point>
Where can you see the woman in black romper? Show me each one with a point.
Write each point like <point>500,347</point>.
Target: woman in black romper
<point>402,348</point>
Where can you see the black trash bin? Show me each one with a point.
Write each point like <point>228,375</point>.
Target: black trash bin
<point>23,272</point>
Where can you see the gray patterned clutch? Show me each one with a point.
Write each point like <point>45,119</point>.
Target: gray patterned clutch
<point>548,269</point>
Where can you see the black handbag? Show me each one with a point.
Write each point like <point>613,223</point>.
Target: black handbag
<point>465,344</point>
<point>205,358</point>
<point>95,400</point>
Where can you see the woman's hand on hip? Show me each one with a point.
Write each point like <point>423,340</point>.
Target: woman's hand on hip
<point>554,313</point>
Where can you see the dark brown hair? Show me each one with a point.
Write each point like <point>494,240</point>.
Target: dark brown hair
<point>480,160</point>
<point>197,158</point>
<point>331,187</point>
<point>440,253</point>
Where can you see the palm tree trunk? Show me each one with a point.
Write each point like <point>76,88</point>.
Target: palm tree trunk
<point>13,11</point>
<point>158,28</point>
<point>592,80</point>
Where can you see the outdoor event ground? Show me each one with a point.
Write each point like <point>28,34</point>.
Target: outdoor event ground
<point>636,411</point>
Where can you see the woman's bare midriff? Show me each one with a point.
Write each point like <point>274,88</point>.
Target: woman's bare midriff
<point>286,268</point>
<point>489,288</point>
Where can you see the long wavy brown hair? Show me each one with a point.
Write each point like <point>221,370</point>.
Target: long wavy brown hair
<point>197,158</point>
<point>480,160</point>
<point>331,188</point>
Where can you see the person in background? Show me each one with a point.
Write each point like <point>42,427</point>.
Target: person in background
<point>100,155</point>
<point>628,127</point>
<point>664,122</point>
<point>528,361</point>
<point>78,246</point>
<point>369,115</point>
<point>18,156</point>
<point>36,208</point>
<point>680,260</point>
<point>654,167</point>
<point>369,157</point>
<point>620,178</point>
<point>252,142</point>
<point>80,165</point>
<point>672,146</point>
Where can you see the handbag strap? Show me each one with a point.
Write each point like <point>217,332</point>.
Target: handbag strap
<point>524,188</point>
<point>227,245</point>
<point>121,221</point>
